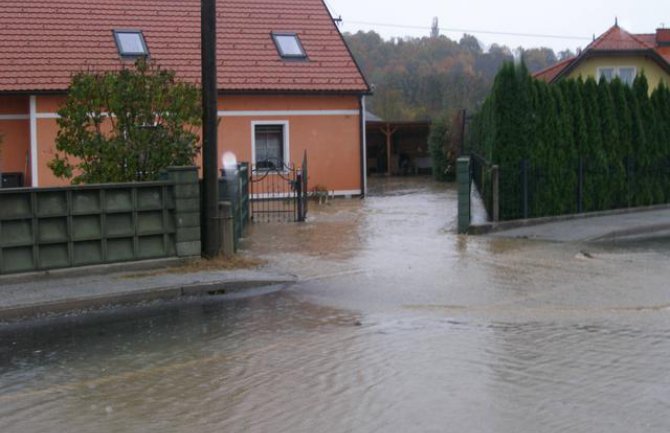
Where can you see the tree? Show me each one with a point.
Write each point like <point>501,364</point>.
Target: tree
<point>127,125</point>
<point>437,146</point>
<point>565,54</point>
<point>611,145</point>
<point>593,154</point>
<point>537,59</point>
<point>470,44</point>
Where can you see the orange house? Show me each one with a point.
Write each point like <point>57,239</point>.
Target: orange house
<point>287,81</point>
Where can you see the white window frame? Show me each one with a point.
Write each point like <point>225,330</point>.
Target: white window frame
<point>618,73</point>
<point>615,71</point>
<point>285,138</point>
<point>601,68</point>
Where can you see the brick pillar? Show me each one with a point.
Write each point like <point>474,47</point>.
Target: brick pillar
<point>187,209</point>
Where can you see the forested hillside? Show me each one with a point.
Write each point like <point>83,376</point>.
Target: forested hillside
<point>425,78</point>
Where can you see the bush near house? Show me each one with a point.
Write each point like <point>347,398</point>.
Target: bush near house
<point>126,125</point>
<point>444,145</point>
<point>438,140</point>
<point>576,145</point>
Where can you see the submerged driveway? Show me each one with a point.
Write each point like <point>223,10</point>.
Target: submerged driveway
<point>481,333</point>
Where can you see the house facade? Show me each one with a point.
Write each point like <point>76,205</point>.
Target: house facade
<point>287,81</point>
<point>618,53</point>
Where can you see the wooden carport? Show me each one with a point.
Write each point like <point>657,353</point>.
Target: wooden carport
<point>398,147</point>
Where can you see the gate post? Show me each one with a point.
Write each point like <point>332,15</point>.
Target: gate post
<point>495,193</point>
<point>299,197</point>
<point>187,209</point>
<point>464,180</point>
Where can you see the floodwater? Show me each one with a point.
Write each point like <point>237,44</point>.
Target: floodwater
<point>397,325</point>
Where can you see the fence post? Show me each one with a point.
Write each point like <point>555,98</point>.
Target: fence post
<point>463,114</point>
<point>305,186</point>
<point>464,180</point>
<point>629,180</point>
<point>495,193</point>
<point>227,228</point>
<point>524,185</point>
<point>580,186</point>
<point>187,209</point>
<point>299,195</point>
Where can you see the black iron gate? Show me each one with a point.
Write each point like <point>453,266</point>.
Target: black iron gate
<point>278,192</point>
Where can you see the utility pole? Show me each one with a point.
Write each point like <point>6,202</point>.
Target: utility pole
<point>210,154</point>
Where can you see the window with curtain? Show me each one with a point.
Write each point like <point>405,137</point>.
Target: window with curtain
<point>269,147</point>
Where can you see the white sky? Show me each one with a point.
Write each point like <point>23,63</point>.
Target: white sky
<point>571,18</point>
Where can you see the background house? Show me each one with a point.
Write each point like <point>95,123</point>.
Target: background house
<point>287,81</point>
<point>617,53</point>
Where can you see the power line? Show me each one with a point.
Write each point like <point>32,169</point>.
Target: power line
<point>471,31</point>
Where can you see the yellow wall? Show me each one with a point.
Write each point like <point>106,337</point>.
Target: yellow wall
<point>653,72</point>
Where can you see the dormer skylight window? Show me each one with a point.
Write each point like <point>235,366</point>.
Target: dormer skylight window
<point>289,46</point>
<point>131,43</point>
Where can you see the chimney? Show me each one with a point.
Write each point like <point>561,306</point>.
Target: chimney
<point>663,37</point>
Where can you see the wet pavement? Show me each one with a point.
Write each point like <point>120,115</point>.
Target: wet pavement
<point>623,225</point>
<point>397,324</point>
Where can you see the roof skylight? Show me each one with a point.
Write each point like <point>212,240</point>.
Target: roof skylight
<point>289,46</point>
<point>130,43</point>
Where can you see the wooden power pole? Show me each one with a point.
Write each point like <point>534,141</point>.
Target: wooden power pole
<point>210,154</point>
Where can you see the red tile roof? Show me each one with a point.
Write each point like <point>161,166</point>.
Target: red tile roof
<point>43,42</point>
<point>613,40</point>
<point>548,74</point>
<point>616,39</point>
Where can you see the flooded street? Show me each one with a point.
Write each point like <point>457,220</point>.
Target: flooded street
<point>397,324</point>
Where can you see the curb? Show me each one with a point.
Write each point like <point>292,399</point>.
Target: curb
<point>486,228</point>
<point>633,233</point>
<point>134,266</point>
<point>30,311</point>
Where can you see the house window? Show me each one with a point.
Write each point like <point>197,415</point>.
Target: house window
<point>130,43</point>
<point>289,46</point>
<point>270,145</point>
<point>625,73</point>
<point>606,73</point>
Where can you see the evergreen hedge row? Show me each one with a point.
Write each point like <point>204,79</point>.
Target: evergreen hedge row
<point>578,145</point>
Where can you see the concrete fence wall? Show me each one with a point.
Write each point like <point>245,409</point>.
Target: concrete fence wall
<point>49,228</point>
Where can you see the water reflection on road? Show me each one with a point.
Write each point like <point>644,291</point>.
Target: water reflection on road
<point>398,325</point>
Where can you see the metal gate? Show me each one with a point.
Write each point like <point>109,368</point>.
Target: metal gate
<point>278,192</point>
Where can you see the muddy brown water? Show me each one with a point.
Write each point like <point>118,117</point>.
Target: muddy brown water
<point>397,325</point>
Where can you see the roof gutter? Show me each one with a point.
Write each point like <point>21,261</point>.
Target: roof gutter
<point>364,145</point>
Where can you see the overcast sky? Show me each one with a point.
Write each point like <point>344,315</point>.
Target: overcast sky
<point>574,20</point>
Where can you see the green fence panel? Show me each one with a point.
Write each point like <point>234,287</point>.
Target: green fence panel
<point>49,228</point>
